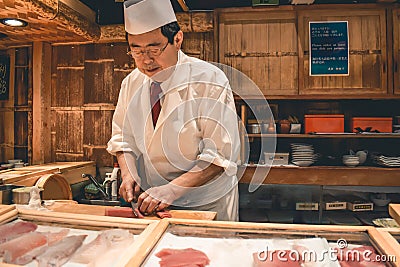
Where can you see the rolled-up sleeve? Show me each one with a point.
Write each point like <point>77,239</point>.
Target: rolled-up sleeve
<point>219,126</point>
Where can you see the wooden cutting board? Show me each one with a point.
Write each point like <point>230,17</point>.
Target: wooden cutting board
<point>73,207</point>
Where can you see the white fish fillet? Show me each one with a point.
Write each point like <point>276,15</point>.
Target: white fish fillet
<point>117,240</point>
<point>21,245</point>
<point>103,242</point>
<point>51,239</point>
<point>59,253</point>
<point>12,230</point>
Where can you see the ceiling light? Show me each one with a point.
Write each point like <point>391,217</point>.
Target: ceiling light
<point>14,22</point>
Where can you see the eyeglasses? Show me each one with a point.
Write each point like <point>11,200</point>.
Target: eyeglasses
<point>151,52</point>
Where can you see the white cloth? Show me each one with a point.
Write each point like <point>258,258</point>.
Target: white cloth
<point>143,16</point>
<point>198,121</point>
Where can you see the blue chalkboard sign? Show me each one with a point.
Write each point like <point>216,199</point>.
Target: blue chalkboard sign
<point>4,77</point>
<point>329,48</point>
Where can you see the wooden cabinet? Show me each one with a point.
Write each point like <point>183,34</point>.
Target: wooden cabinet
<point>271,47</point>
<point>262,44</point>
<point>367,52</point>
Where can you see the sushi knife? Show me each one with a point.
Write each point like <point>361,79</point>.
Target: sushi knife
<point>134,208</point>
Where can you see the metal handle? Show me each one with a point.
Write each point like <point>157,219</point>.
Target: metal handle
<point>94,181</point>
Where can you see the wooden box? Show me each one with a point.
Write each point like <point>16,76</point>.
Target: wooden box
<point>239,243</point>
<point>324,123</point>
<point>382,125</point>
<point>276,158</point>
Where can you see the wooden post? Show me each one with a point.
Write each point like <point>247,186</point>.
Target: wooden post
<point>41,141</point>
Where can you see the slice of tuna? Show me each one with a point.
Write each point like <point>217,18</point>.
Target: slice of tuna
<point>182,257</point>
<point>12,230</point>
<point>125,212</point>
<point>164,214</point>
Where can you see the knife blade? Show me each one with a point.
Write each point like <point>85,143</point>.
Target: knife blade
<point>134,206</point>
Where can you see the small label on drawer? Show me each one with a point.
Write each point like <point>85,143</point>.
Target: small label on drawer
<point>306,206</point>
<point>360,206</point>
<point>335,205</point>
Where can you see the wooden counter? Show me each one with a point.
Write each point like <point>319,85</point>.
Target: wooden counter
<point>27,176</point>
<point>71,207</point>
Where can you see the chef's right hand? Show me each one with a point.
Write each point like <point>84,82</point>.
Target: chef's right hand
<point>129,189</point>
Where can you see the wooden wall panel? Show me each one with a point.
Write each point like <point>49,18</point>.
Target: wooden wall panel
<point>6,136</point>
<point>119,75</point>
<point>15,118</point>
<point>99,155</point>
<point>21,86</point>
<point>69,90</point>
<point>69,55</point>
<point>69,132</point>
<point>99,81</point>
<point>200,45</point>
<point>115,51</point>
<point>21,129</point>
<point>263,46</point>
<point>97,127</point>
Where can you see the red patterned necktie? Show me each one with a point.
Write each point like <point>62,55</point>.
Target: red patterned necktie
<point>155,92</point>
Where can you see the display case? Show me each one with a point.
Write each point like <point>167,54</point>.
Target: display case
<point>111,229</point>
<point>247,244</point>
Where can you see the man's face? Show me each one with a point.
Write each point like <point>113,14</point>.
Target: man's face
<point>146,62</point>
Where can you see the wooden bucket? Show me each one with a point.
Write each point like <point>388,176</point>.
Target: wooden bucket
<point>54,186</point>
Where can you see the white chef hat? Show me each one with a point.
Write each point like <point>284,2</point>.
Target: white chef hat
<point>142,16</point>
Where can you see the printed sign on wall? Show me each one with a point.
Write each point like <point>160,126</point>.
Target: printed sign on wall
<point>4,77</point>
<point>329,48</point>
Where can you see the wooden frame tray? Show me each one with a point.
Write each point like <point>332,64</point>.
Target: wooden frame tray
<point>391,236</point>
<point>140,227</point>
<point>394,211</point>
<point>239,231</point>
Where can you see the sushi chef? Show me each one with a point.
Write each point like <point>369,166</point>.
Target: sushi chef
<point>175,127</point>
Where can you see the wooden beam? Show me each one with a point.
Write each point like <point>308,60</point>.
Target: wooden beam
<point>183,5</point>
<point>41,141</point>
<point>189,22</point>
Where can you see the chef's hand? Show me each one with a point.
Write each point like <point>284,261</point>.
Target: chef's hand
<point>157,198</point>
<point>129,189</point>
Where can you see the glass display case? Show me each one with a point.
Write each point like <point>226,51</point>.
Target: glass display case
<point>255,244</point>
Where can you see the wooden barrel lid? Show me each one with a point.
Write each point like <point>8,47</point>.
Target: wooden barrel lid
<point>55,186</point>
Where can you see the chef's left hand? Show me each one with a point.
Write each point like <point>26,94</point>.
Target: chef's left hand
<point>156,199</point>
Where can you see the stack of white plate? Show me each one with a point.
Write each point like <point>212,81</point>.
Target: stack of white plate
<point>387,161</point>
<point>351,160</point>
<point>302,154</point>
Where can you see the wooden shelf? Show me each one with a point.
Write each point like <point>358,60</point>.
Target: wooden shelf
<point>344,135</point>
<point>322,175</point>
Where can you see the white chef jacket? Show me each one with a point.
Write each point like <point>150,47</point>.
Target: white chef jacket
<point>198,121</point>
